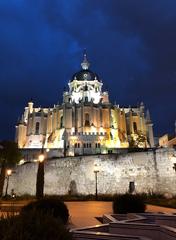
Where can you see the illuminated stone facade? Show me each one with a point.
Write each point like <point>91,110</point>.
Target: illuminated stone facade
<point>86,122</point>
<point>149,171</point>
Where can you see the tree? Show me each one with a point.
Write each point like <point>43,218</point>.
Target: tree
<point>137,140</point>
<point>40,175</point>
<point>40,180</point>
<point>9,156</point>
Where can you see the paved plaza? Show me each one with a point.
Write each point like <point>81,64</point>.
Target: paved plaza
<point>83,213</point>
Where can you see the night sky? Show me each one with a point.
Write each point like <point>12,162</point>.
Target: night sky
<point>130,44</point>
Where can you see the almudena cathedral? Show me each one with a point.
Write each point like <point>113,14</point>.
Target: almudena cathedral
<point>87,135</point>
<point>86,122</point>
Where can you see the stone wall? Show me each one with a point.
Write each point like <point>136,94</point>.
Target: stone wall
<point>151,171</point>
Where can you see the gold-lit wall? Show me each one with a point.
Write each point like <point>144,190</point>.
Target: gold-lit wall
<point>115,123</point>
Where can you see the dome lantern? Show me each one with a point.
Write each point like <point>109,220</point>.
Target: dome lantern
<point>85,74</point>
<point>85,64</point>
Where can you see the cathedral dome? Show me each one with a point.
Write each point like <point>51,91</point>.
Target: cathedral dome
<point>85,73</point>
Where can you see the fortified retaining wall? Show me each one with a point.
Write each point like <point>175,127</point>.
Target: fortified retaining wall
<point>150,171</point>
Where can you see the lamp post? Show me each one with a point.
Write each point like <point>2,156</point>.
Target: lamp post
<point>8,174</point>
<point>96,171</point>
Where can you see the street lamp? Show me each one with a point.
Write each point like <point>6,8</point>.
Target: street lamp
<point>41,157</point>
<point>96,171</point>
<point>8,174</point>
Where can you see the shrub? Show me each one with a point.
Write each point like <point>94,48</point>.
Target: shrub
<point>80,197</point>
<point>51,206</point>
<point>128,203</point>
<point>33,225</point>
<point>5,224</point>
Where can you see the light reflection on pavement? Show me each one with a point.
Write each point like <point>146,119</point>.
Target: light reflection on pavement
<point>83,213</point>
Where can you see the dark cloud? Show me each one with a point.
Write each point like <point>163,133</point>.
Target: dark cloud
<point>130,44</point>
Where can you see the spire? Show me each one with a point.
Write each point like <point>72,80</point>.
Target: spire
<point>30,105</point>
<point>148,119</point>
<point>85,64</point>
<point>142,107</point>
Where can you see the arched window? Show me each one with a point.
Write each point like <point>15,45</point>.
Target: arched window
<point>135,127</point>
<point>131,187</point>
<point>87,120</point>
<point>37,127</point>
<point>61,122</point>
<point>111,136</point>
<point>85,88</point>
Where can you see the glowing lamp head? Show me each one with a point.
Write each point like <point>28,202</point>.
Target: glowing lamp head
<point>9,172</point>
<point>41,157</point>
<point>96,169</point>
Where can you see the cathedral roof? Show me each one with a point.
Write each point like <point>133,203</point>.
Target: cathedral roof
<point>85,73</point>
